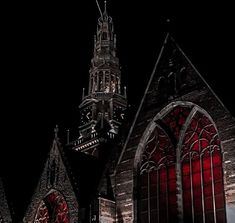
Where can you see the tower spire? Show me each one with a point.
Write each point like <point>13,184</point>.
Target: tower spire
<point>102,109</point>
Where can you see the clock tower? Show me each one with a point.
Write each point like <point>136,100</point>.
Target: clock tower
<point>102,110</point>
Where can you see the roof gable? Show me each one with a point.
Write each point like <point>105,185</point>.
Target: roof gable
<point>54,178</point>
<point>174,78</point>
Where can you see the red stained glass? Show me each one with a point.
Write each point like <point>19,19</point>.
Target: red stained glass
<point>219,200</point>
<point>53,208</point>
<point>197,192</point>
<point>172,200</point>
<point>208,203</point>
<point>207,177</point>
<point>163,174</point>
<point>195,146</point>
<point>186,182</point>
<point>218,187</point>
<point>207,190</point>
<point>201,171</point>
<point>171,172</point>
<point>198,205</point>
<point>201,138</point>
<point>172,185</point>
<point>186,168</point>
<point>207,163</point>
<point>196,179</point>
<point>158,178</point>
<point>176,118</point>
<point>204,143</point>
<point>218,174</point>
<point>196,164</point>
<point>217,159</point>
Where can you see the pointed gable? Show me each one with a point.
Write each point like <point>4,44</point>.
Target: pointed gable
<point>5,216</point>
<point>54,190</point>
<point>174,78</point>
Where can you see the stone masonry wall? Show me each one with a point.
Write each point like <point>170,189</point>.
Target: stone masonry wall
<point>107,211</point>
<point>125,175</point>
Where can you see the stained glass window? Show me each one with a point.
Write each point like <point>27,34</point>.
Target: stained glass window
<point>203,192</point>
<point>176,118</point>
<point>200,197</point>
<point>53,208</point>
<point>158,179</point>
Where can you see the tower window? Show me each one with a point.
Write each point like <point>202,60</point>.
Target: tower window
<point>104,36</point>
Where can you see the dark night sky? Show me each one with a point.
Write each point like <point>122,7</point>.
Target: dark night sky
<point>47,49</point>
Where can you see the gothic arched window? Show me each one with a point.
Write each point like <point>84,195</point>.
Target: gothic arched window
<point>52,209</point>
<point>202,176</point>
<point>113,83</point>
<point>107,82</point>
<point>158,179</point>
<point>101,77</point>
<point>181,174</point>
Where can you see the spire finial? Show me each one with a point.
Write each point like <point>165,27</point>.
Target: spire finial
<point>56,130</point>
<point>168,25</point>
<point>105,6</point>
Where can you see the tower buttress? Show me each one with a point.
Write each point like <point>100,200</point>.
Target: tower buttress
<point>102,110</point>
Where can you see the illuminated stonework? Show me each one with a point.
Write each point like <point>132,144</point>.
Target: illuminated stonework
<point>173,164</point>
<point>102,110</point>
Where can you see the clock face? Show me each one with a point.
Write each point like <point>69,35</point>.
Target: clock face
<point>86,115</point>
<point>118,113</point>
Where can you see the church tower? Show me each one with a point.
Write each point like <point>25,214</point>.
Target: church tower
<point>102,110</point>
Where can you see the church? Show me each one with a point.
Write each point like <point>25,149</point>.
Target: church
<point>174,163</point>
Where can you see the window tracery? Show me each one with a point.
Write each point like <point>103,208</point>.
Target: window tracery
<point>200,167</point>
<point>157,176</point>
<point>53,208</point>
<point>202,176</point>
<point>176,118</point>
